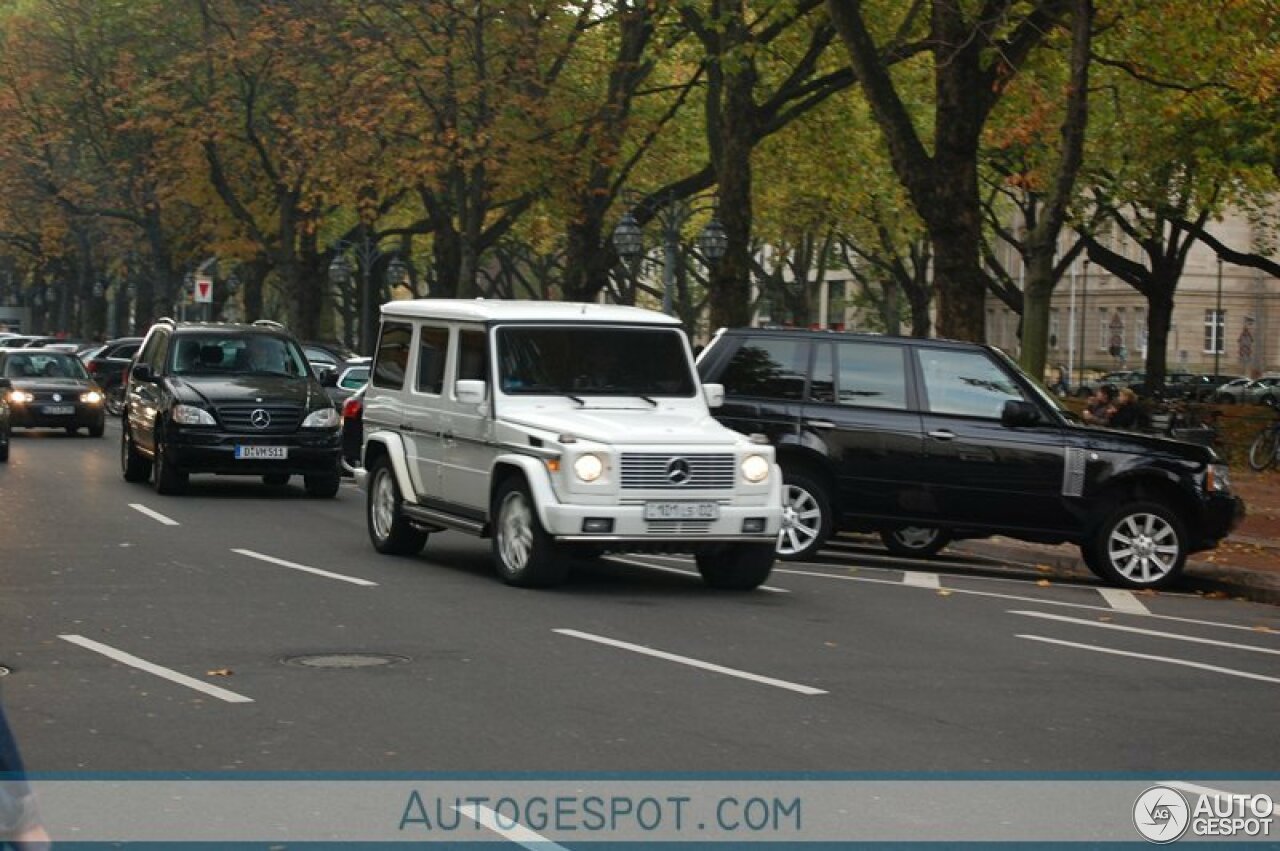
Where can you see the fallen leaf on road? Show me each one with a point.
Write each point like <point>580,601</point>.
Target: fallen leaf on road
<point>1216,595</point>
<point>1261,628</point>
<point>1147,592</point>
<point>219,672</point>
<point>1043,583</point>
<point>1105,618</point>
<point>1044,568</point>
<point>944,593</point>
<point>830,644</point>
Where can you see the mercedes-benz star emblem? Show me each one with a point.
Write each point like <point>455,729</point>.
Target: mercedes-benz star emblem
<point>57,397</point>
<point>678,471</point>
<point>260,418</point>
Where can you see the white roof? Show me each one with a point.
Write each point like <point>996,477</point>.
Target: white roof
<point>484,310</point>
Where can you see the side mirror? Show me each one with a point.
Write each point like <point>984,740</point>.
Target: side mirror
<point>714,394</point>
<point>141,372</point>
<point>328,375</point>
<point>470,391</point>
<point>1018,413</point>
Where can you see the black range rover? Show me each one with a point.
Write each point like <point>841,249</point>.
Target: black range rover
<point>927,441</point>
<point>231,400</point>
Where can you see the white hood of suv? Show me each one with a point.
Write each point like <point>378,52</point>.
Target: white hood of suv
<point>628,425</point>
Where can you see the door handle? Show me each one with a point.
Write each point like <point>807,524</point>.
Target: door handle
<point>943,434</point>
<point>824,424</point>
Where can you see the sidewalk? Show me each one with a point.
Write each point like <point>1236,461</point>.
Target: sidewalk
<point>1244,566</point>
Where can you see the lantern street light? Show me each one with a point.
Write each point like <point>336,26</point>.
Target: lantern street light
<point>672,214</point>
<point>367,254</point>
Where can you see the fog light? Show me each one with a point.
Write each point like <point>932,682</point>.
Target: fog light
<point>597,525</point>
<point>753,524</point>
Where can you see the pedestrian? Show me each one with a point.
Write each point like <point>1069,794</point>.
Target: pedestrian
<point>20,826</point>
<point>1101,405</point>
<point>1126,413</point>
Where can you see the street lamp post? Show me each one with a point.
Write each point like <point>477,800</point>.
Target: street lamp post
<point>672,215</point>
<point>1219,326</point>
<point>1084,317</point>
<point>367,253</point>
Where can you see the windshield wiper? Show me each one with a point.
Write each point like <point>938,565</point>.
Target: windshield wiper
<point>581,402</point>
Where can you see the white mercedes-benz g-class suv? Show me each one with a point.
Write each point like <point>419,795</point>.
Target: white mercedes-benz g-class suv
<point>559,430</point>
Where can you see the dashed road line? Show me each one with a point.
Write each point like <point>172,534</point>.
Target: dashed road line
<point>1123,601</point>
<point>159,671</point>
<point>1151,632</point>
<point>921,579</point>
<point>691,662</point>
<point>1168,660</point>
<point>354,580</point>
<point>661,568</point>
<point>154,515</point>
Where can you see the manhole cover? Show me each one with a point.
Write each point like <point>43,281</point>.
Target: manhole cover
<point>345,660</point>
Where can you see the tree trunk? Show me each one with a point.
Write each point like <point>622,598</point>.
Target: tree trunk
<point>960,285</point>
<point>1035,314</point>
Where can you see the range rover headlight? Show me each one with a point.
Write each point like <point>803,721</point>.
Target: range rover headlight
<point>323,418</point>
<point>755,468</point>
<point>93,397</point>
<point>191,415</point>
<point>588,467</point>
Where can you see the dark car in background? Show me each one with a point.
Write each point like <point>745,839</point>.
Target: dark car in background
<point>51,389</point>
<point>342,385</point>
<point>332,358</point>
<point>925,441</point>
<point>6,429</point>
<point>108,364</point>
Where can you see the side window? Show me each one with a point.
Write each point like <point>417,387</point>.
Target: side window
<point>770,367</point>
<point>433,346</point>
<point>156,347</point>
<point>392,359</point>
<point>871,375</point>
<point>473,356</point>
<point>965,383</point>
<point>822,386</point>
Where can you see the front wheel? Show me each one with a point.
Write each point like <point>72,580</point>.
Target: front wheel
<point>389,530</point>
<point>915,541</point>
<point>4,445</point>
<point>1263,451</point>
<point>167,480</point>
<point>806,516</point>
<point>736,567</point>
<point>525,554</point>
<point>1138,545</point>
<point>114,399</point>
<point>323,486</point>
<point>98,429</point>
<point>135,467</point>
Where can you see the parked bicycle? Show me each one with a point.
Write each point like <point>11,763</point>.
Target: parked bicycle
<point>1264,452</point>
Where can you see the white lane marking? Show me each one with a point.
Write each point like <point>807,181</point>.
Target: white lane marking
<point>354,580</point>
<point>1123,601</point>
<point>154,515</point>
<point>1152,632</point>
<point>151,668</point>
<point>1150,658</point>
<point>921,579</point>
<point>1038,600</point>
<point>515,832</point>
<point>693,663</point>
<point>1205,790</point>
<point>664,569</point>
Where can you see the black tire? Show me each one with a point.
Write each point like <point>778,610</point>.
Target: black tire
<point>324,486</point>
<point>736,567</point>
<point>1138,545</point>
<point>915,541</point>
<point>99,428</point>
<point>113,399</point>
<point>4,445</point>
<point>806,516</point>
<point>167,480</point>
<point>135,467</point>
<point>71,430</point>
<point>1262,452</point>
<point>389,530</point>
<point>275,480</point>
<point>523,552</point>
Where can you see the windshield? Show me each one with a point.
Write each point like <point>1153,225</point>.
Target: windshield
<point>44,365</point>
<point>236,353</point>
<point>593,361</point>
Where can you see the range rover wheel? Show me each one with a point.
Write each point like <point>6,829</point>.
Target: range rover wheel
<point>135,467</point>
<point>167,481</point>
<point>1138,545</point>
<point>806,516</point>
<point>389,530</point>
<point>915,541</point>
<point>523,551</point>
<point>736,567</point>
<point>323,486</point>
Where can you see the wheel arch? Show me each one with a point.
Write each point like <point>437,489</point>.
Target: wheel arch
<point>509,466</point>
<point>389,445</point>
<point>1150,486</point>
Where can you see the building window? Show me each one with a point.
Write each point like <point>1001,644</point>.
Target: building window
<point>1104,328</point>
<point>1053,328</point>
<point>1140,330</point>
<point>1215,326</point>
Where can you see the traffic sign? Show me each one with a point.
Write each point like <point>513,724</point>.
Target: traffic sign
<point>203,289</point>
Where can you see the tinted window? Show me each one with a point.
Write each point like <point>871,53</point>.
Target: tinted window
<point>871,376</point>
<point>771,367</point>
<point>473,356</point>
<point>433,346</point>
<point>43,365</point>
<point>153,354</point>
<point>965,383</point>
<point>393,355</point>
<point>594,361</point>
<point>213,353</point>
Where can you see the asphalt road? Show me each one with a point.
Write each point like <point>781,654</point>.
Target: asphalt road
<point>149,633</point>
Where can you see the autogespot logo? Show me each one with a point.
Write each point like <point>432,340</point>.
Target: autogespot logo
<point>1161,814</point>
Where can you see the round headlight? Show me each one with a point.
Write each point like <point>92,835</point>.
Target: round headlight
<point>755,469</point>
<point>93,397</point>
<point>588,467</point>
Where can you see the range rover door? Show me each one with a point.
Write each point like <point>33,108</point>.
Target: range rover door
<point>859,416</point>
<point>986,475</point>
<point>764,386</point>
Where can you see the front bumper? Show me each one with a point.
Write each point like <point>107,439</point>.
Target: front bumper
<point>309,453</point>
<point>1220,514</point>
<point>568,522</point>
<point>32,415</point>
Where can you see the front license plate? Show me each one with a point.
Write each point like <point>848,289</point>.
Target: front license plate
<point>262,453</point>
<point>58,410</point>
<point>681,510</point>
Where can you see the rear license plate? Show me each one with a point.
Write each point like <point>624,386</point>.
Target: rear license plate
<point>681,510</point>
<point>261,453</point>
<point>58,410</point>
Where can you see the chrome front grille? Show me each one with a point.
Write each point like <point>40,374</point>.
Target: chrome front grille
<point>678,527</point>
<point>283,419</point>
<point>677,471</point>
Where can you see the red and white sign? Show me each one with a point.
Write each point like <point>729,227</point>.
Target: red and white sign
<point>203,290</point>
